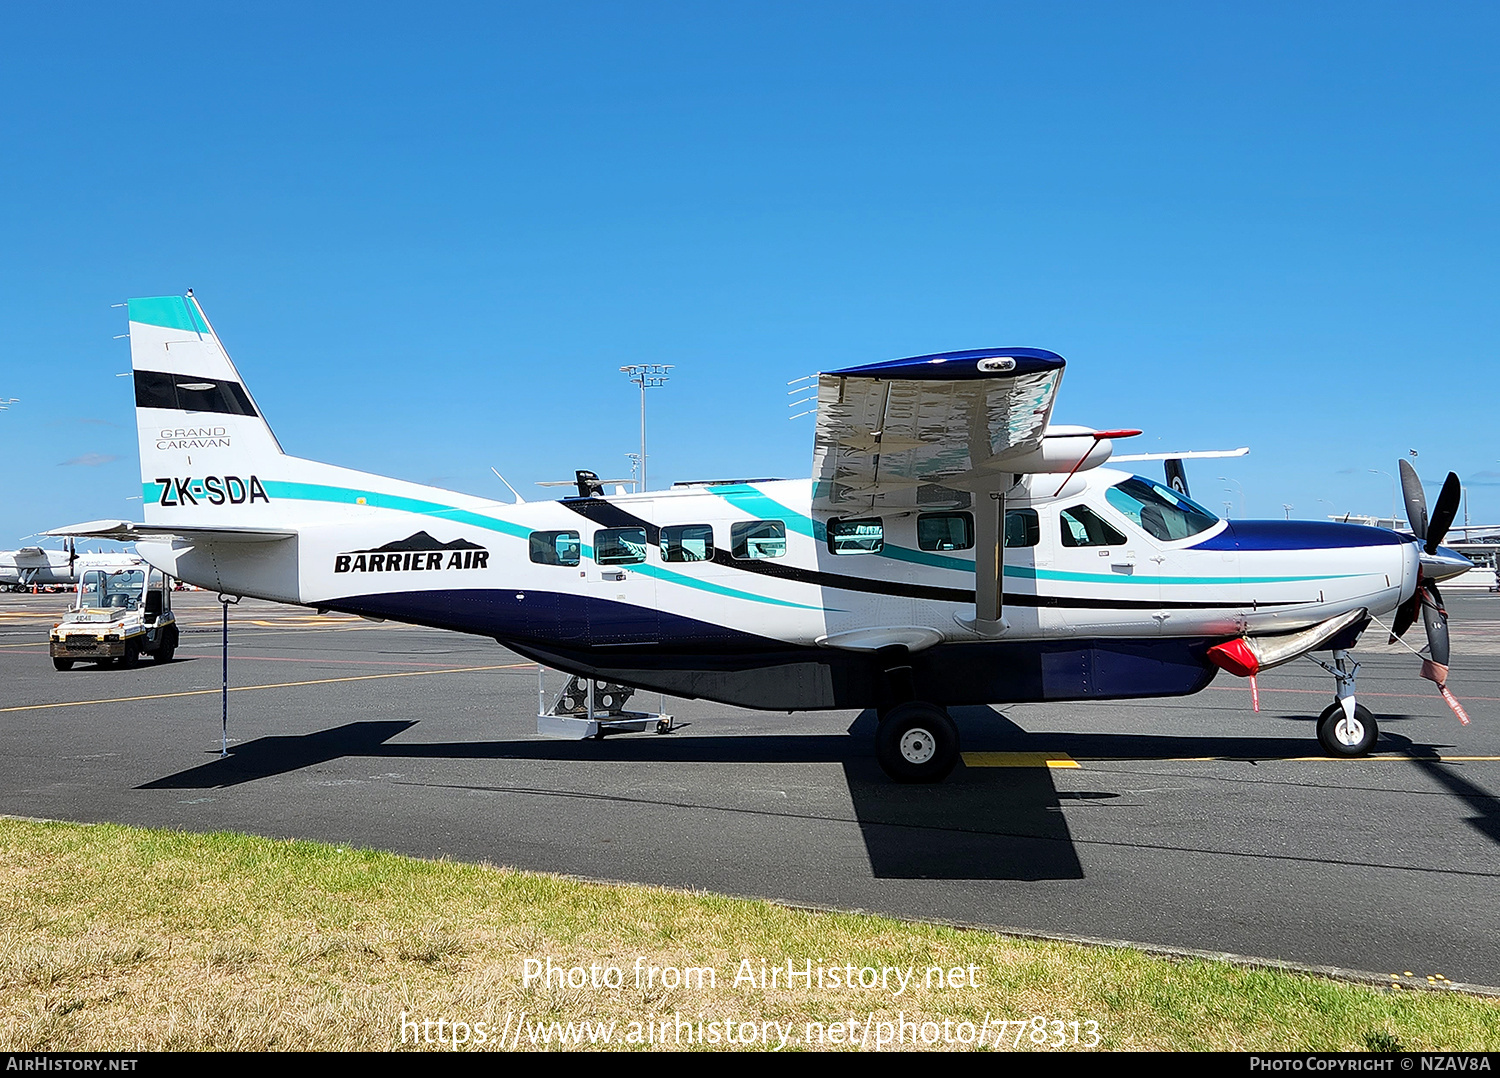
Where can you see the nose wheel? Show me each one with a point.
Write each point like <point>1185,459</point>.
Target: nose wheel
<point>916,742</point>
<point>1345,728</point>
<point>1344,735</point>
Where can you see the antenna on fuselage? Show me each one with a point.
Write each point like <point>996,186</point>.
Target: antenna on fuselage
<point>519,500</point>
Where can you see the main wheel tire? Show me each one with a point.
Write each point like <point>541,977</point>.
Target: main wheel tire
<point>62,664</point>
<point>1352,737</point>
<point>168,647</point>
<point>917,742</point>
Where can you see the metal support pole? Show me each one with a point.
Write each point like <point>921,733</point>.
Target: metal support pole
<point>224,602</point>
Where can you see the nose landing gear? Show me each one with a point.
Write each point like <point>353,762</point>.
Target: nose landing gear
<point>1345,728</point>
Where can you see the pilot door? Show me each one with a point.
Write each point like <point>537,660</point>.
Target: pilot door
<point>1102,578</point>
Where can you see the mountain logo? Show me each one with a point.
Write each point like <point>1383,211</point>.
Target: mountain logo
<point>416,553</point>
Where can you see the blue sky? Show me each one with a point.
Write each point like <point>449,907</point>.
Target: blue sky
<point>431,234</point>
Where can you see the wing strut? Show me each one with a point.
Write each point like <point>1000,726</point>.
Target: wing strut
<point>989,570</point>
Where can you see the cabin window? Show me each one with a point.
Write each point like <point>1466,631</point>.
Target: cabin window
<point>1159,511</point>
<point>1081,526</point>
<point>555,548</point>
<point>687,542</point>
<point>945,531</point>
<point>856,536</point>
<point>620,546</point>
<point>1022,528</point>
<point>753,539</point>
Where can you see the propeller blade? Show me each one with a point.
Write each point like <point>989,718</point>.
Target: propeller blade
<point>1444,511</point>
<point>1406,614</point>
<point>1416,499</point>
<point>1435,619</point>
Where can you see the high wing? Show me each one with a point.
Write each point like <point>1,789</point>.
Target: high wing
<point>946,421</point>
<point>125,531</point>
<point>928,430</point>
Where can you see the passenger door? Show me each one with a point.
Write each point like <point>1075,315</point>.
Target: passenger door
<point>623,610</point>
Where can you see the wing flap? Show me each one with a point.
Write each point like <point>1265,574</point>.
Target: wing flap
<point>125,531</point>
<point>888,432</point>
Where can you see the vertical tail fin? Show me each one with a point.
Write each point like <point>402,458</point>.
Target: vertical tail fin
<point>202,438</point>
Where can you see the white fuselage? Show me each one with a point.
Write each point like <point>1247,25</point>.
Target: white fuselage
<point>615,595</point>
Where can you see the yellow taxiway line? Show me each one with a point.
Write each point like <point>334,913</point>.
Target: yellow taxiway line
<point>1018,759</point>
<point>1062,759</point>
<point>279,685</point>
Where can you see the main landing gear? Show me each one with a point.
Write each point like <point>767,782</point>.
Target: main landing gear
<point>916,742</point>
<point>1345,728</point>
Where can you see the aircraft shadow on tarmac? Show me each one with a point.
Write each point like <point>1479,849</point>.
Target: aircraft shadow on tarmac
<point>983,823</point>
<point>1484,803</point>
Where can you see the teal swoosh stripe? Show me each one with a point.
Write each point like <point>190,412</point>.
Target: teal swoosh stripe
<point>762,505</point>
<point>1026,573</point>
<point>753,501</point>
<point>316,492</point>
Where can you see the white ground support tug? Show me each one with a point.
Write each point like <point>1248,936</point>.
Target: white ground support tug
<point>119,613</point>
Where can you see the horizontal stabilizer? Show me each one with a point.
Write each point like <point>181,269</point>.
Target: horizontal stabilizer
<point>1200,454</point>
<point>124,531</point>
<point>1247,656</point>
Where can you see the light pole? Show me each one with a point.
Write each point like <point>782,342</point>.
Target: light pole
<point>1392,478</point>
<point>647,376</point>
<point>1236,482</point>
<point>1288,509</point>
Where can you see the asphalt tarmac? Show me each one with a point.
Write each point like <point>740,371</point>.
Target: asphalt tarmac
<point>1184,823</point>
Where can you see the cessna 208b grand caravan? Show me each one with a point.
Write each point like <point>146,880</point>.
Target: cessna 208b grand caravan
<point>952,547</point>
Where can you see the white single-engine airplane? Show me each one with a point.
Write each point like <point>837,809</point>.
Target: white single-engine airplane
<point>952,547</point>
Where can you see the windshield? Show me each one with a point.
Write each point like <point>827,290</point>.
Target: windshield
<point>1159,511</point>
<point>102,590</point>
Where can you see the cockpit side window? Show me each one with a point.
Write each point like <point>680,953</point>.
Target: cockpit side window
<point>1023,528</point>
<point>1159,511</point>
<point>1081,526</point>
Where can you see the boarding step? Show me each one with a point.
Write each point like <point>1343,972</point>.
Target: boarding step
<point>589,708</point>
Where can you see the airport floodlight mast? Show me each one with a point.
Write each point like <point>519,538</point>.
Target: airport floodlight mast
<point>647,376</point>
<point>1236,482</point>
<point>1392,478</point>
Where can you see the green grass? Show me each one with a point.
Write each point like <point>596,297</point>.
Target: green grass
<point>114,938</point>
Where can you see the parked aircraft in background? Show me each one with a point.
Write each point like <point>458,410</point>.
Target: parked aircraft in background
<point>953,546</point>
<point>32,566</point>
